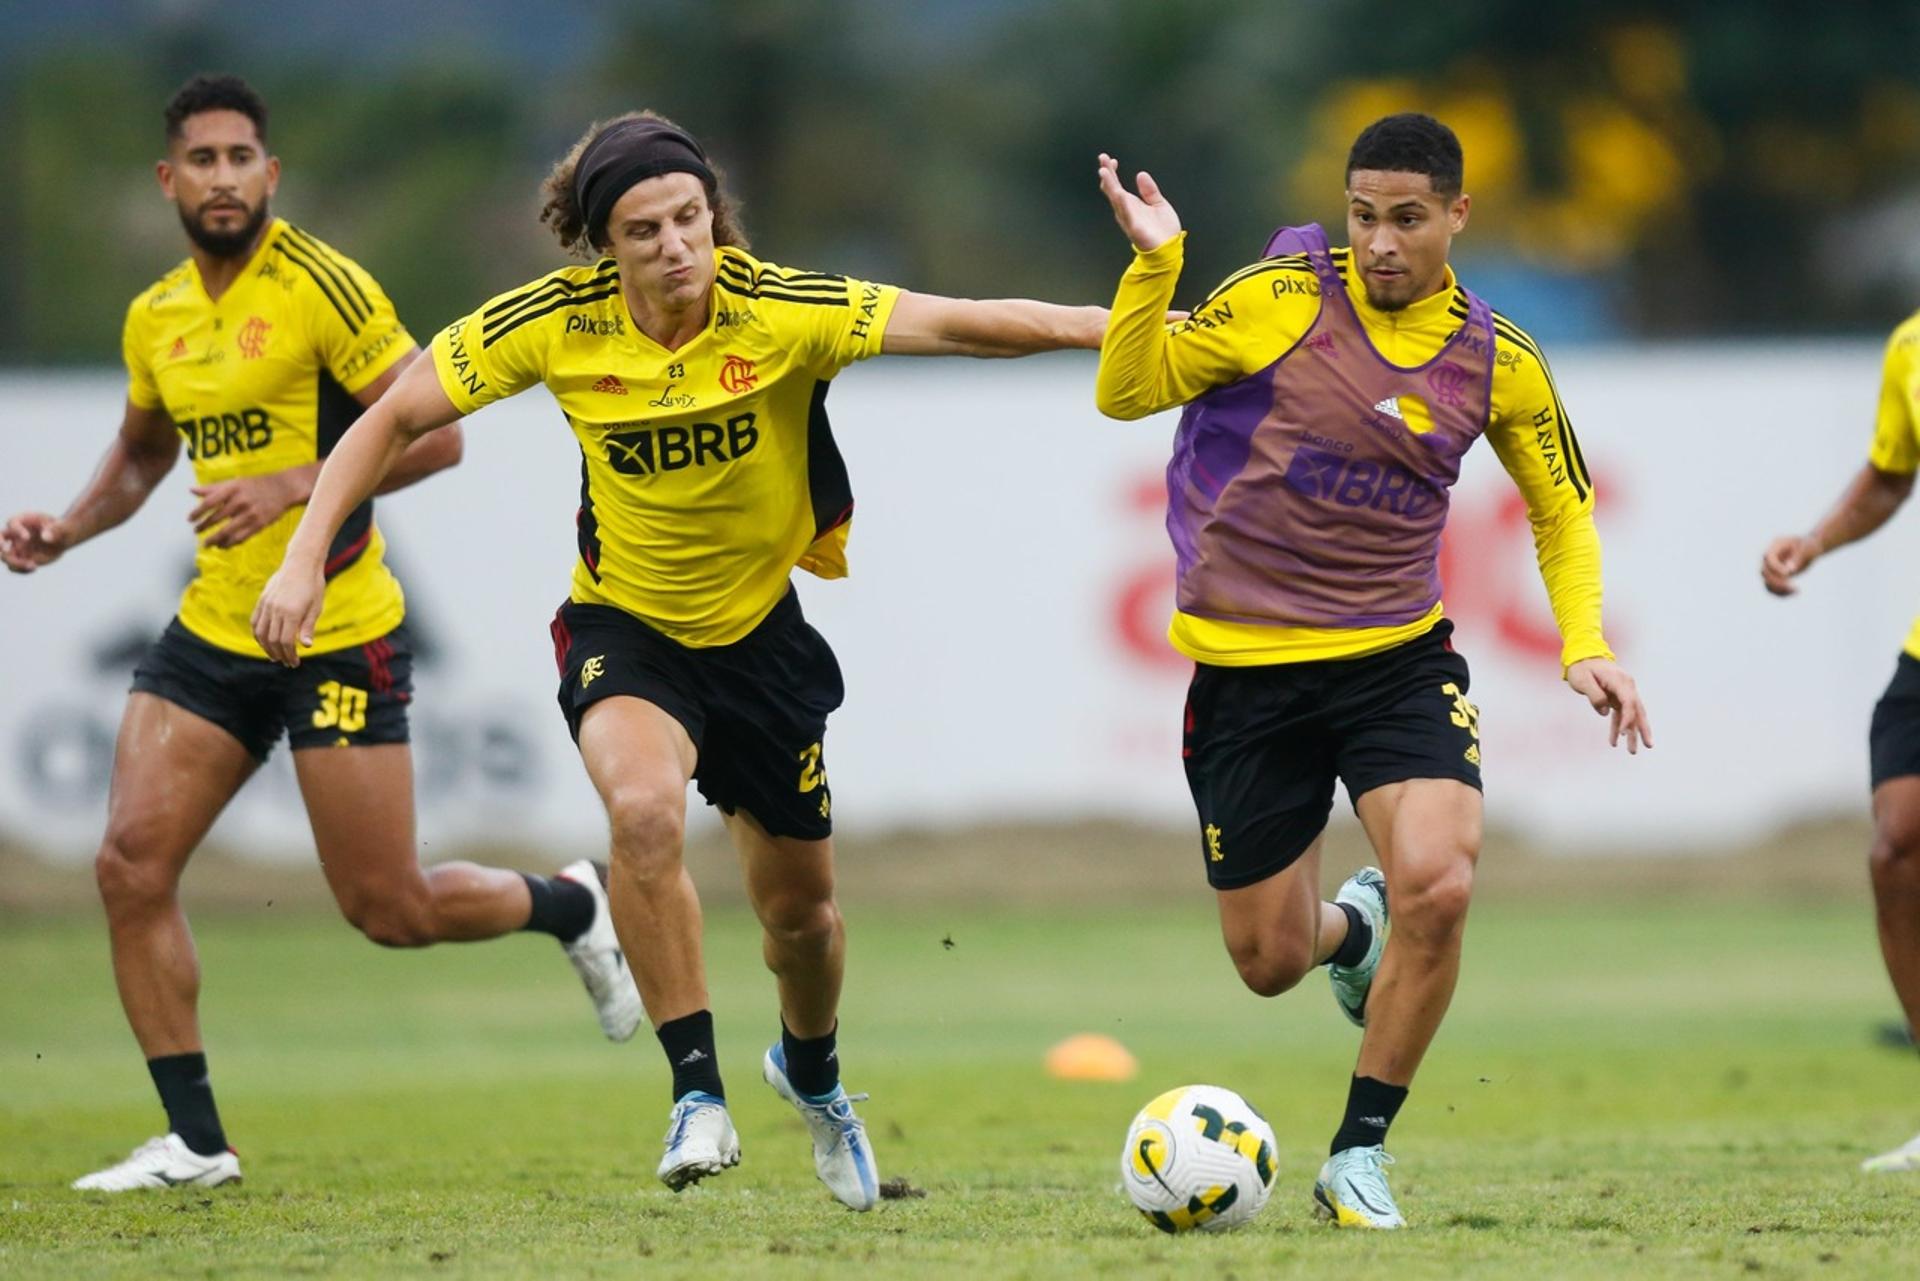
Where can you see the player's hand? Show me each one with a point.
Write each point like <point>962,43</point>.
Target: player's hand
<point>1786,559</point>
<point>1147,218</point>
<point>242,508</point>
<point>30,540</point>
<point>1606,685</point>
<point>288,609</point>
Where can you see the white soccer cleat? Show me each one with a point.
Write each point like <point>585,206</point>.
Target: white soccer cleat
<point>1352,1192</point>
<point>166,1162</point>
<point>1366,890</point>
<point>842,1156</point>
<point>597,958</point>
<point>700,1141</point>
<point>1904,1158</point>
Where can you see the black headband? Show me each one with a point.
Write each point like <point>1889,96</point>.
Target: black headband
<point>626,153</point>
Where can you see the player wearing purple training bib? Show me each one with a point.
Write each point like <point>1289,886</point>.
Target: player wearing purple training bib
<point>1330,396</point>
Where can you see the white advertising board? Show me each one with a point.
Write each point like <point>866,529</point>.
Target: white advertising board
<point>1002,633</point>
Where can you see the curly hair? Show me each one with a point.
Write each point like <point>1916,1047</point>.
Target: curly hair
<point>215,93</point>
<point>568,221</point>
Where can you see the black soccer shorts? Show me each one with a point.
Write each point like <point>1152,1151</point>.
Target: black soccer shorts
<point>345,698</point>
<point>1264,745</point>
<point>1893,742</point>
<point>756,710</point>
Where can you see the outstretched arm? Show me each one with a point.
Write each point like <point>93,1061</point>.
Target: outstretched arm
<point>141,455</point>
<point>929,325</point>
<point>1147,365</point>
<point>236,510</point>
<point>290,604</point>
<point>1870,499</point>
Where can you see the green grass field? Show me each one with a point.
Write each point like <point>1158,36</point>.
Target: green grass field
<point>1621,1091</point>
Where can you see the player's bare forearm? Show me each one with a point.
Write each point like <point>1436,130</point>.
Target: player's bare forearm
<point>1869,501</point>
<point>140,456</point>
<point>437,450</point>
<point>930,325</point>
<point>434,451</point>
<point>368,456</point>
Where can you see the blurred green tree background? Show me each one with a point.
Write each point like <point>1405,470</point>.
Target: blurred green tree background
<point>1638,170</point>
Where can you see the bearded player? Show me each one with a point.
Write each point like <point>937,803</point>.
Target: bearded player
<point>257,353</point>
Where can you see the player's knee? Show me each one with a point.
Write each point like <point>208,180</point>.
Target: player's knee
<point>396,928</point>
<point>802,923</point>
<point>648,824</point>
<point>390,920</point>
<point>1432,905</point>
<point>1271,966</point>
<point>1896,850</point>
<point>128,883</point>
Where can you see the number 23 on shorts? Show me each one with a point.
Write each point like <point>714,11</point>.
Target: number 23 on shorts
<point>813,776</point>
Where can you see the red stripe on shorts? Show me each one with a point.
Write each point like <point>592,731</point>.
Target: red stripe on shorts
<point>562,642</point>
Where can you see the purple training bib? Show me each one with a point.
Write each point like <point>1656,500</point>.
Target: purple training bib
<point>1313,492</point>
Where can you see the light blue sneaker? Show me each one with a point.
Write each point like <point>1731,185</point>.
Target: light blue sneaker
<point>1366,889</point>
<point>1352,1190</point>
<point>842,1156</point>
<point>700,1140</point>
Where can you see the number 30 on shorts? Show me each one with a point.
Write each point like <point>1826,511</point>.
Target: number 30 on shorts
<point>341,707</point>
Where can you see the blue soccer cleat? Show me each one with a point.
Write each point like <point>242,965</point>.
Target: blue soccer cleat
<point>700,1141</point>
<point>842,1156</point>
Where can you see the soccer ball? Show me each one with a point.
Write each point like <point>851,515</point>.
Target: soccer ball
<point>1198,1157</point>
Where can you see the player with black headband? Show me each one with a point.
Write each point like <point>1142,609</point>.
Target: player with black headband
<point>694,376</point>
<point>259,350</point>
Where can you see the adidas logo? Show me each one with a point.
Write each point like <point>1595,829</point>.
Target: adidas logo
<point>1391,408</point>
<point>695,1055</point>
<point>612,385</point>
<point>179,349</point>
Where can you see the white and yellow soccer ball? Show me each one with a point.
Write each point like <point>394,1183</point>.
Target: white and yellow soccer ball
<point>1198,1157</point>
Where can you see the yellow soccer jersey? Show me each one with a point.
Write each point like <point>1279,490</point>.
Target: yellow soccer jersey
<point>1254,318</point>
<point>707,473</point>
<point>1896,428</point>
<point>258,382</point>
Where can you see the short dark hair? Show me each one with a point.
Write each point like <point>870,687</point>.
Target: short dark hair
<point>216,93</point>
<point>1411,142</point>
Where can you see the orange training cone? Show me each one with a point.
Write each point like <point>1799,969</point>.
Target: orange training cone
<point>1089,1056</point>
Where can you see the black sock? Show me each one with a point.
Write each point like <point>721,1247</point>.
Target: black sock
<point>689,1045</point>
<point>561,907</point>
<point>812,1066</point>
<point>1371,1107</point>
<point>1353,949</point>
<point>187,1095</point>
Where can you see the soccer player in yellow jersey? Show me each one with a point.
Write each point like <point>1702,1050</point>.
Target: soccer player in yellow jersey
<point>1330,395</point>
<point>1894,737</point>
<point>694,376</point>
<point>258,352</point>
